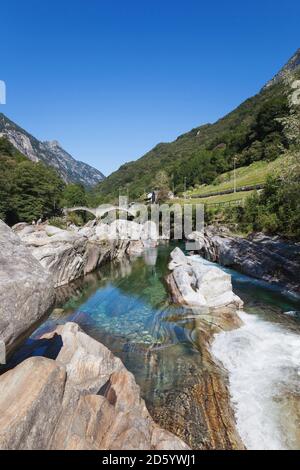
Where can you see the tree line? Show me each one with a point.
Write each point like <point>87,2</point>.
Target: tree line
<point>32,191</point>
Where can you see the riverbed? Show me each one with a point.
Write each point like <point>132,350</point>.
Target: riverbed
<point>126,306</point>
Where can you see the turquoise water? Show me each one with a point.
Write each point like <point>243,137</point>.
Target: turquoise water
<point>126,306</point>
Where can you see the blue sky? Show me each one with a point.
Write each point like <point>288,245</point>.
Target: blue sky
<point>110,79</point>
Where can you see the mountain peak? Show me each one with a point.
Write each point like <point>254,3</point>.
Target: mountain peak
<point>292,65</point>
<point>51,153</point>
<point>52,143</point>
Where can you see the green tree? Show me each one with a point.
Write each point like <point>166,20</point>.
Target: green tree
<point>6,169</point>
<point>36,191</point>
<point>276,210</point>
<point>161,180</point>
<point>74,195</point>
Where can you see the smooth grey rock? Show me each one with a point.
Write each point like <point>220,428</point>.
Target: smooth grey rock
<point>267,258</point>
<point>207,293</point>
<point>30,402</point>
<point>51,230</point>
<point>102,407</point>
<point>26,289</point>
<point>85,399</point>
<point>63,253</point>
<point>70,254</point>
<point>197,284</point>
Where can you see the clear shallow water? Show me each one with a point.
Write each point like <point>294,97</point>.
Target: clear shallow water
<point>125,306</point>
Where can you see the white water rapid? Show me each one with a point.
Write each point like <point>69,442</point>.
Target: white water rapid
<point>263,363</point>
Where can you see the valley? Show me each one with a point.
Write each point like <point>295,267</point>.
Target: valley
<point>127,307</point>
<point>121,338</point>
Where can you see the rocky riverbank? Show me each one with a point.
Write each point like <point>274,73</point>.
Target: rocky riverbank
<point>83,399</point>
<point>208,292</point>
<point>26,289</point>
<point>270,259</point>
<point>70,254</point>
<point>34,260</point>
<point>78,395</point>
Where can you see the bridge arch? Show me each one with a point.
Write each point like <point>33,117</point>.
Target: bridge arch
<point>79,208</point>
<point>106,208</point>
<point>100,211</point>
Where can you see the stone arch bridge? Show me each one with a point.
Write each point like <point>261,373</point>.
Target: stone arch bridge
<point>100,211</point>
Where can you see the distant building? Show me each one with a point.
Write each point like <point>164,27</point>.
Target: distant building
<point>151,197</point>
<point>154,196</point>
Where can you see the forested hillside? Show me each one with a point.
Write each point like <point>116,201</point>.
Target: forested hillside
<point>31,190</point>
<point>250,133</point>
<point>261,129</point>
<point>27,190</point>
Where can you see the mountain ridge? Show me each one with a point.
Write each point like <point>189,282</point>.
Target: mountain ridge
<point>292,65</point>
<point>49,152</point>
<point>251,131</point>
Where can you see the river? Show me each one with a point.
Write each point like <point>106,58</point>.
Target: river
<point>126,306</point>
